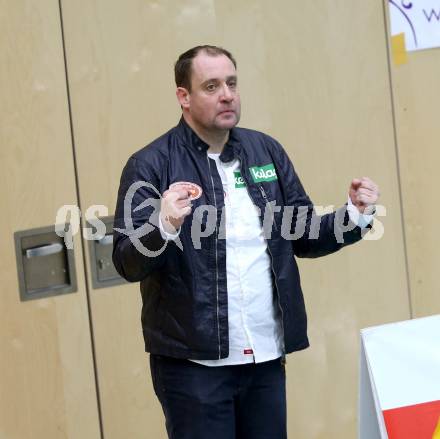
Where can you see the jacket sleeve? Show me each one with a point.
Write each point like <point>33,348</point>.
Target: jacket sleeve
<point>321,235</point>
<point>138,247</point>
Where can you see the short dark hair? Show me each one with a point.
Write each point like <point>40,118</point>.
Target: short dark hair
<point>183,66</point>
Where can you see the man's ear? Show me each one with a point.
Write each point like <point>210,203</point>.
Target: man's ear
<point>183,97</point>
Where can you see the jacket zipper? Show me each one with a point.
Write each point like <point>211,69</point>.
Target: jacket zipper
<point>216,259</point>
<point>263,193</point>
<point>278,300</point>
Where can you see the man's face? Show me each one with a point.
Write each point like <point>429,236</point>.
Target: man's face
<point>213,104</point>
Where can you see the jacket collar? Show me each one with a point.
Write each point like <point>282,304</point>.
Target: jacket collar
<point>192,140</point>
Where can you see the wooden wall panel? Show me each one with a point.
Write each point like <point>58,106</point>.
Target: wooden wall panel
<point>416,96</point>
<point>116,110</point>
<point>323,90</point>
<point>314,75</point>
<point>47,386</point>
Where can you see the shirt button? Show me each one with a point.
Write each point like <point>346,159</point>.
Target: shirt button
<point>200,148</point>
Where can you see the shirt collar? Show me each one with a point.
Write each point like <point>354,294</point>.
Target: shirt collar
<point>230,150</point>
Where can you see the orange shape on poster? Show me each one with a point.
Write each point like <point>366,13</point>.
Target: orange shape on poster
<point>419,421</point>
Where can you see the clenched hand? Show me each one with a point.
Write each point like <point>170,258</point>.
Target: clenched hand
<point>364,193</point>
<point>174,207</point>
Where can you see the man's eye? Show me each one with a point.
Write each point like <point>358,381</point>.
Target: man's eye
<point>210,87</point>
<point>232,84</point>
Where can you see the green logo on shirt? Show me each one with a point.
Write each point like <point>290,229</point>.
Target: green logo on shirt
<point>239,181</point>
<point>263,173</point>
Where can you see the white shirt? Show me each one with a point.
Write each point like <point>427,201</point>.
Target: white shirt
<point>255,333</point>
<point>254,316</point>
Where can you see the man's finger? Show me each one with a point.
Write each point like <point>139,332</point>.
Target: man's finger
<point>368,185</point>
<point>366,191</point>
<point>366,198</point>
<point>176,194</point>
<point>183,203</point>
<point>355,183</point>
<point>180,213</point>
<point>367,180</point>
<point>182,193</point>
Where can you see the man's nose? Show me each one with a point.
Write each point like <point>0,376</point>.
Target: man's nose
<point>227,94</point>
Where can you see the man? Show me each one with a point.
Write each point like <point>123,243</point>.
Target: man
<point>222,302</point>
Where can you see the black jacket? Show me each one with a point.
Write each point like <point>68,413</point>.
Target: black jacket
<point>183,287</point>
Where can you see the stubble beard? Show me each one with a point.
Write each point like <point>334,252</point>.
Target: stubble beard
<point>230,123</point>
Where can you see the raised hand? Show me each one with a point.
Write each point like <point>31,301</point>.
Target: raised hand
<point>174,207</point>
<point>364,193</point>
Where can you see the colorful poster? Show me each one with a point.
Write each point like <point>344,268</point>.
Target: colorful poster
<point>418,20</point>
<point>400,380</point>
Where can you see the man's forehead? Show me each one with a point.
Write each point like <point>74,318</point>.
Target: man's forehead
<point>206,66</point>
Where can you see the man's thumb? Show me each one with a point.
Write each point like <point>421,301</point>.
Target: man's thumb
<point>355,183</point>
